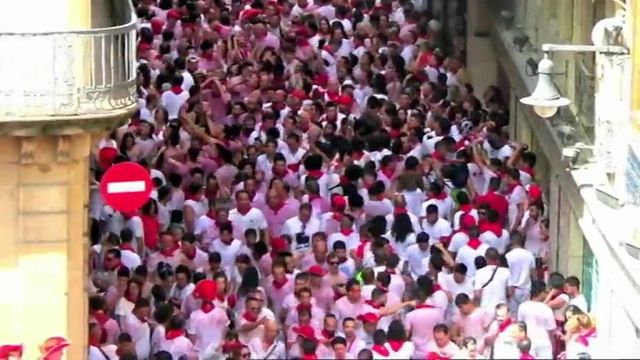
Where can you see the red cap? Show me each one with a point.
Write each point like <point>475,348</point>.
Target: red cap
<point>8,351</point>
<point>317,270</point>
<point>344,99</point>
<point>370,318</point>
<point>106,155</point>
<point>156,25</point>
<point>321,80</point>
<point>306,332</point>
<point>249,14</point>
<point>279,244</point>
<point>467,221</point>
<point>174,14</point>
<point>339,202</point>
<point>535,192</point>
<point>303,32</point>
<point>205,290</point>
<point>53,345</point>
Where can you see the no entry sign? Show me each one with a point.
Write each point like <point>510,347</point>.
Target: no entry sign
<point>126,186</point>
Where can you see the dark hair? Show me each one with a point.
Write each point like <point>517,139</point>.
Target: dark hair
<point>163,313</point>
<point>572,281</point>
<point>441,328</point>
<point>250,280</point>
<point>401,227</point>
<point>462,299</point>
<point>396,331</point>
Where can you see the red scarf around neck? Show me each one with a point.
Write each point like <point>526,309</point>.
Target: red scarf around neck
<point>175,333</point>
<point>442,196</point>
<point>388,173</point>
<point>302,307</point>
<point>100,317</point>
<point>511,187</point>
<point>399,210</point>
<point>309,357</point>
<point>279,284</point>
<point>278,207</point>
<point>329,335</point>
<point>436,356</point>
<point>92,342</point>
<point>315,173</point>
<point>474,243</point>
<point>424,306</point>
<point>466,208</point>
<point>244,211</point>
<point>504,325</point>
<point>170,251</point>
<point>584,337</point>
<point>361,248</point>
<point>346,232</point>
<point>279,174</point>
<point>495,228</point>
<point>373,304</point>
<point>207,307</point>
<point>251,317</point>
<point>177,90</point>
<point>337,216</point>
<point>395,345</point>
<point>127,246</point>
<point>526,356</point>
<point>380,349</point>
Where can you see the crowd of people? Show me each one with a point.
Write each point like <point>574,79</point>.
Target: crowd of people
<point>327,185</point>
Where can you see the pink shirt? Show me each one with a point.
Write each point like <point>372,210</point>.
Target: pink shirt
<point>276,218</point>
<point>421,323</point>
<point>324,296</point>
<point>154,259</point>
<point>382,207</point>
<point>207,327</point>
<point>268,40</point>
<point>277,295</point>
<point>474,324</point>
<point>344,308</point>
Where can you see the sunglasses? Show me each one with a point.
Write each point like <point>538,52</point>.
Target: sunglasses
<point>255,309</point>
<point>333,263</point>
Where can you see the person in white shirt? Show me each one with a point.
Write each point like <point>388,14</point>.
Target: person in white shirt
<point>441,346</point>
<point>434,225</point>
<point>438,196</point>
<point>173,99</point>
<point>136,324</point>
<point>228,247</point>
<point>417,255</point>
<point>245,217</point>
<point>490,283</point>
<point>471,250</point>
<point>128,254</point>
<point>522,267</point>
<point>301,228</point>
<point>540,321</point>
<point>182,287</point>
<point>572,288</point>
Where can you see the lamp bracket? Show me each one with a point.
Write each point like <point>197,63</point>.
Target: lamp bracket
<point>605,49</point>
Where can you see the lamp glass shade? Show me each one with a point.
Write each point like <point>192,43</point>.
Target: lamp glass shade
<point>545,112</point>
<point>545,98</point>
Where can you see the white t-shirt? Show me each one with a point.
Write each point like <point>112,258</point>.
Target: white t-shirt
<point>253,219</point>
<point>441,228</point>
<point>581,302</point>
<point>172,102</point>
<point>295,229</point>
<point>539,319</point>
<point>467,255</point>
<point>521,263</point>
<point>495,292</point>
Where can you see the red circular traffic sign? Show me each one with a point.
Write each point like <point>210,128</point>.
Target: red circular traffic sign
<point>126,186</point>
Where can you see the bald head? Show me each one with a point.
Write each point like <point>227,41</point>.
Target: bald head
<point>271,330</point>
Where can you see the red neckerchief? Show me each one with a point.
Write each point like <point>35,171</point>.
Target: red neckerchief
<point>169,252</point>
<point>474,243</point>
<point>130,299</point>
<point>380,349</point>
<point>399,210</point>
<point>526,356</point>
<point>466,208</point>
<point>495,228</point>
<point>193,197</point>
<point>278,284</point>
<point>437,155</point>
<point>172,334</point>
<point>251,317</point>
<point>100,317</point>
<point>277,208</point>
<point>309,357</point>
<point>436,356</point>
<point>332,95</point>
<point>361,246</point>
<point>346,232</point>
<point>329,335</point>
<point>395,345</point>
<point>207,56</point>
<point>294,167</point>
<point>314,197</point>
<point>315,173</point>
<point>435,288</point>
<point>357,155</point>
<point>424,306</point>
<point>337,216</point>
<point>388,172</point>
<point>379,197</point>
<point>504,325</point>
<point>177,89</point>
<point>442,196</point>
<point>117,264</point>
<point>584,338</point>
<point>92,342</point>
<point>302,307</point>
<point>368,185</point>
<point>390,271</point>
<point>244,211</point>
<point>207,307</point>
<point>373,304</point>
<point>395,133</point>
<point>127,246</point>
<point>512,187</point>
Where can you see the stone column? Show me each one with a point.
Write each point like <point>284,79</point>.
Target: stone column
<point>43,266</point>
<point>479,24</point>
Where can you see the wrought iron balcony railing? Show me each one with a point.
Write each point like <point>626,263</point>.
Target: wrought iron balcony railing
<point>69,73</point>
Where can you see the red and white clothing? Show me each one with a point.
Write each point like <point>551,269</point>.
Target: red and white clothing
<point>178,345</point>
<point>468,254</point>
<point>438,230</point>
<point>400,350</point>
<point>260,350</point>
<point>140,335</point>
<point>252,219</point>
<point>445,352</point>
<point>207,327</point>
<point>421,322</point>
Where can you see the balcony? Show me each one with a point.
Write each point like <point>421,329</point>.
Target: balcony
<point>70,75</point>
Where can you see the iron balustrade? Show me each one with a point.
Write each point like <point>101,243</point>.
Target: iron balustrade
<point>69,73</point>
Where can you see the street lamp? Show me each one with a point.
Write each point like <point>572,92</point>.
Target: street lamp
<point>545,99</point>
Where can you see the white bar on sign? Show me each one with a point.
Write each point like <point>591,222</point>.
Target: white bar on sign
<point>126,187</point>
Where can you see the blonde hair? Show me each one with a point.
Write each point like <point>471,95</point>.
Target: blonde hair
<point>578,323</point>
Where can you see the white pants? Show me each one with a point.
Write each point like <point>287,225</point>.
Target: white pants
<point>519,296</point>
